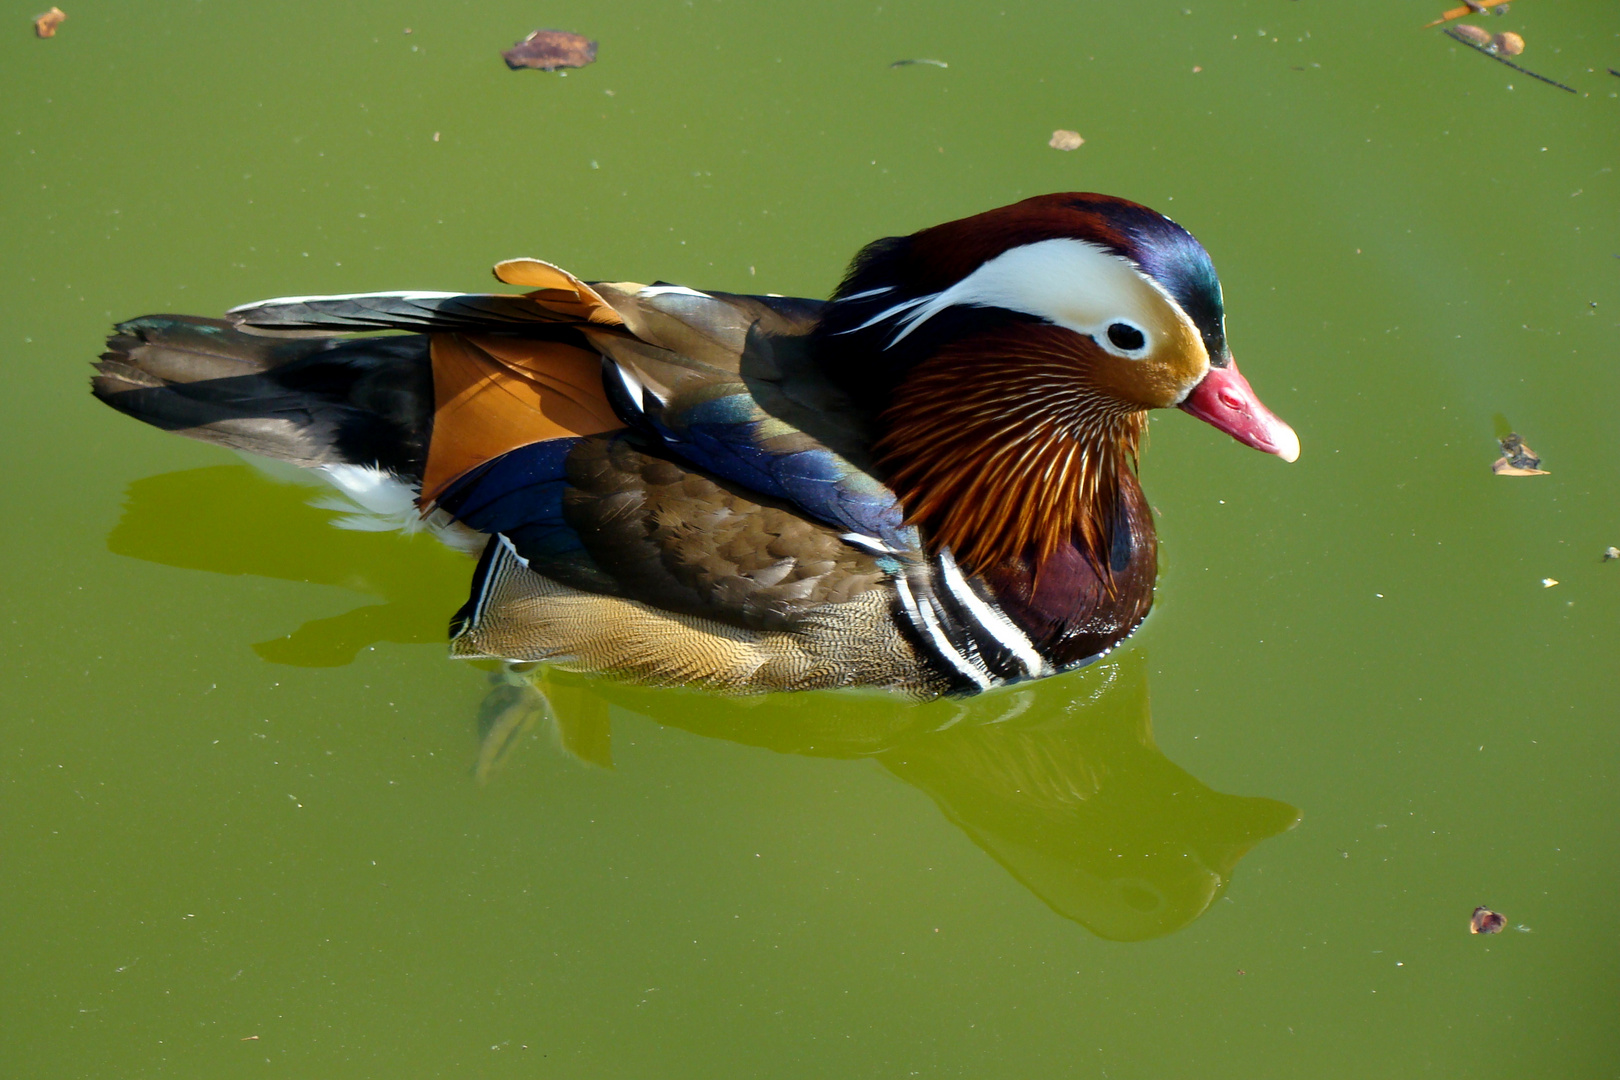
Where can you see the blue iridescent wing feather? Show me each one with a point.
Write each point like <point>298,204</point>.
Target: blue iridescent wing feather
<point>714,365</point>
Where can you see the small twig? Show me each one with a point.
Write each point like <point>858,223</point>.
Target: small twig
<point>1469,7</point>
<point>1451,33</point>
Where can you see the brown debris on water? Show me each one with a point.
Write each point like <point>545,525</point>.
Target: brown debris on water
<point>1507,44</point>
<point>1469,7</point>
<point>1486,921</point>
<point>548,50</point>
<point>1517,459</point>
<point>1063,139</point>
<point>1499,47</point>
<point>45,25</point>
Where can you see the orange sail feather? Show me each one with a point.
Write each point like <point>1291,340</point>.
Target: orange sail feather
<point>494,394</point>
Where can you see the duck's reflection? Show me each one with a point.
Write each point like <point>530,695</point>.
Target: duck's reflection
<point>231,519</point>
<point>1059,781</point>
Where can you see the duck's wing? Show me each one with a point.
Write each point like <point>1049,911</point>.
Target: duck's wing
<point>507,369</point>
<point>611,555</point>
<point>614,514</point>
<point>557,298</point>
<point>723,381</point>
<point>727,382</point>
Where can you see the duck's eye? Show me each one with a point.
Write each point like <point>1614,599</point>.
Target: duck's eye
<point>1125,337</point>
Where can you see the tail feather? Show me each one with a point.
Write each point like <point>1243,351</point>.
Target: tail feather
<point>311,401</point>
<point>398,311</point>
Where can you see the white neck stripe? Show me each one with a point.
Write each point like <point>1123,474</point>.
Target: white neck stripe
<point>924,620</point>
<point>991,620</point>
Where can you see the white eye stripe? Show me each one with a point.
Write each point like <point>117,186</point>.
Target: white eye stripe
<point>904,305</point>
<point>1071,283</point>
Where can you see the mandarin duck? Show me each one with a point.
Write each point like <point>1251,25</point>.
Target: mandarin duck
<point>1067,790</point>
<point>925,484</point>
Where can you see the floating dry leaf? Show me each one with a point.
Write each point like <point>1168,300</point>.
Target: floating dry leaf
<point>1063,139</point>
<point>548,50</point>
<point>45,25</point>
<point>1475,35</point>
<point>1508,43</point>
<point>1486,921</point>
<point>1504,467</point>
<point>1499,48</point>
<point>1517,459</point>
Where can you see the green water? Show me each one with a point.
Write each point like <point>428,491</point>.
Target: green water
<point>240,833</point>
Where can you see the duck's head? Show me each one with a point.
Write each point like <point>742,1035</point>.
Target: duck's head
<point>1011,357</point>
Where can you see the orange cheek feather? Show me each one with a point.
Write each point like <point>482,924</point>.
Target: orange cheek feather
<point>1158,381</point>
<point>1003,446</point>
